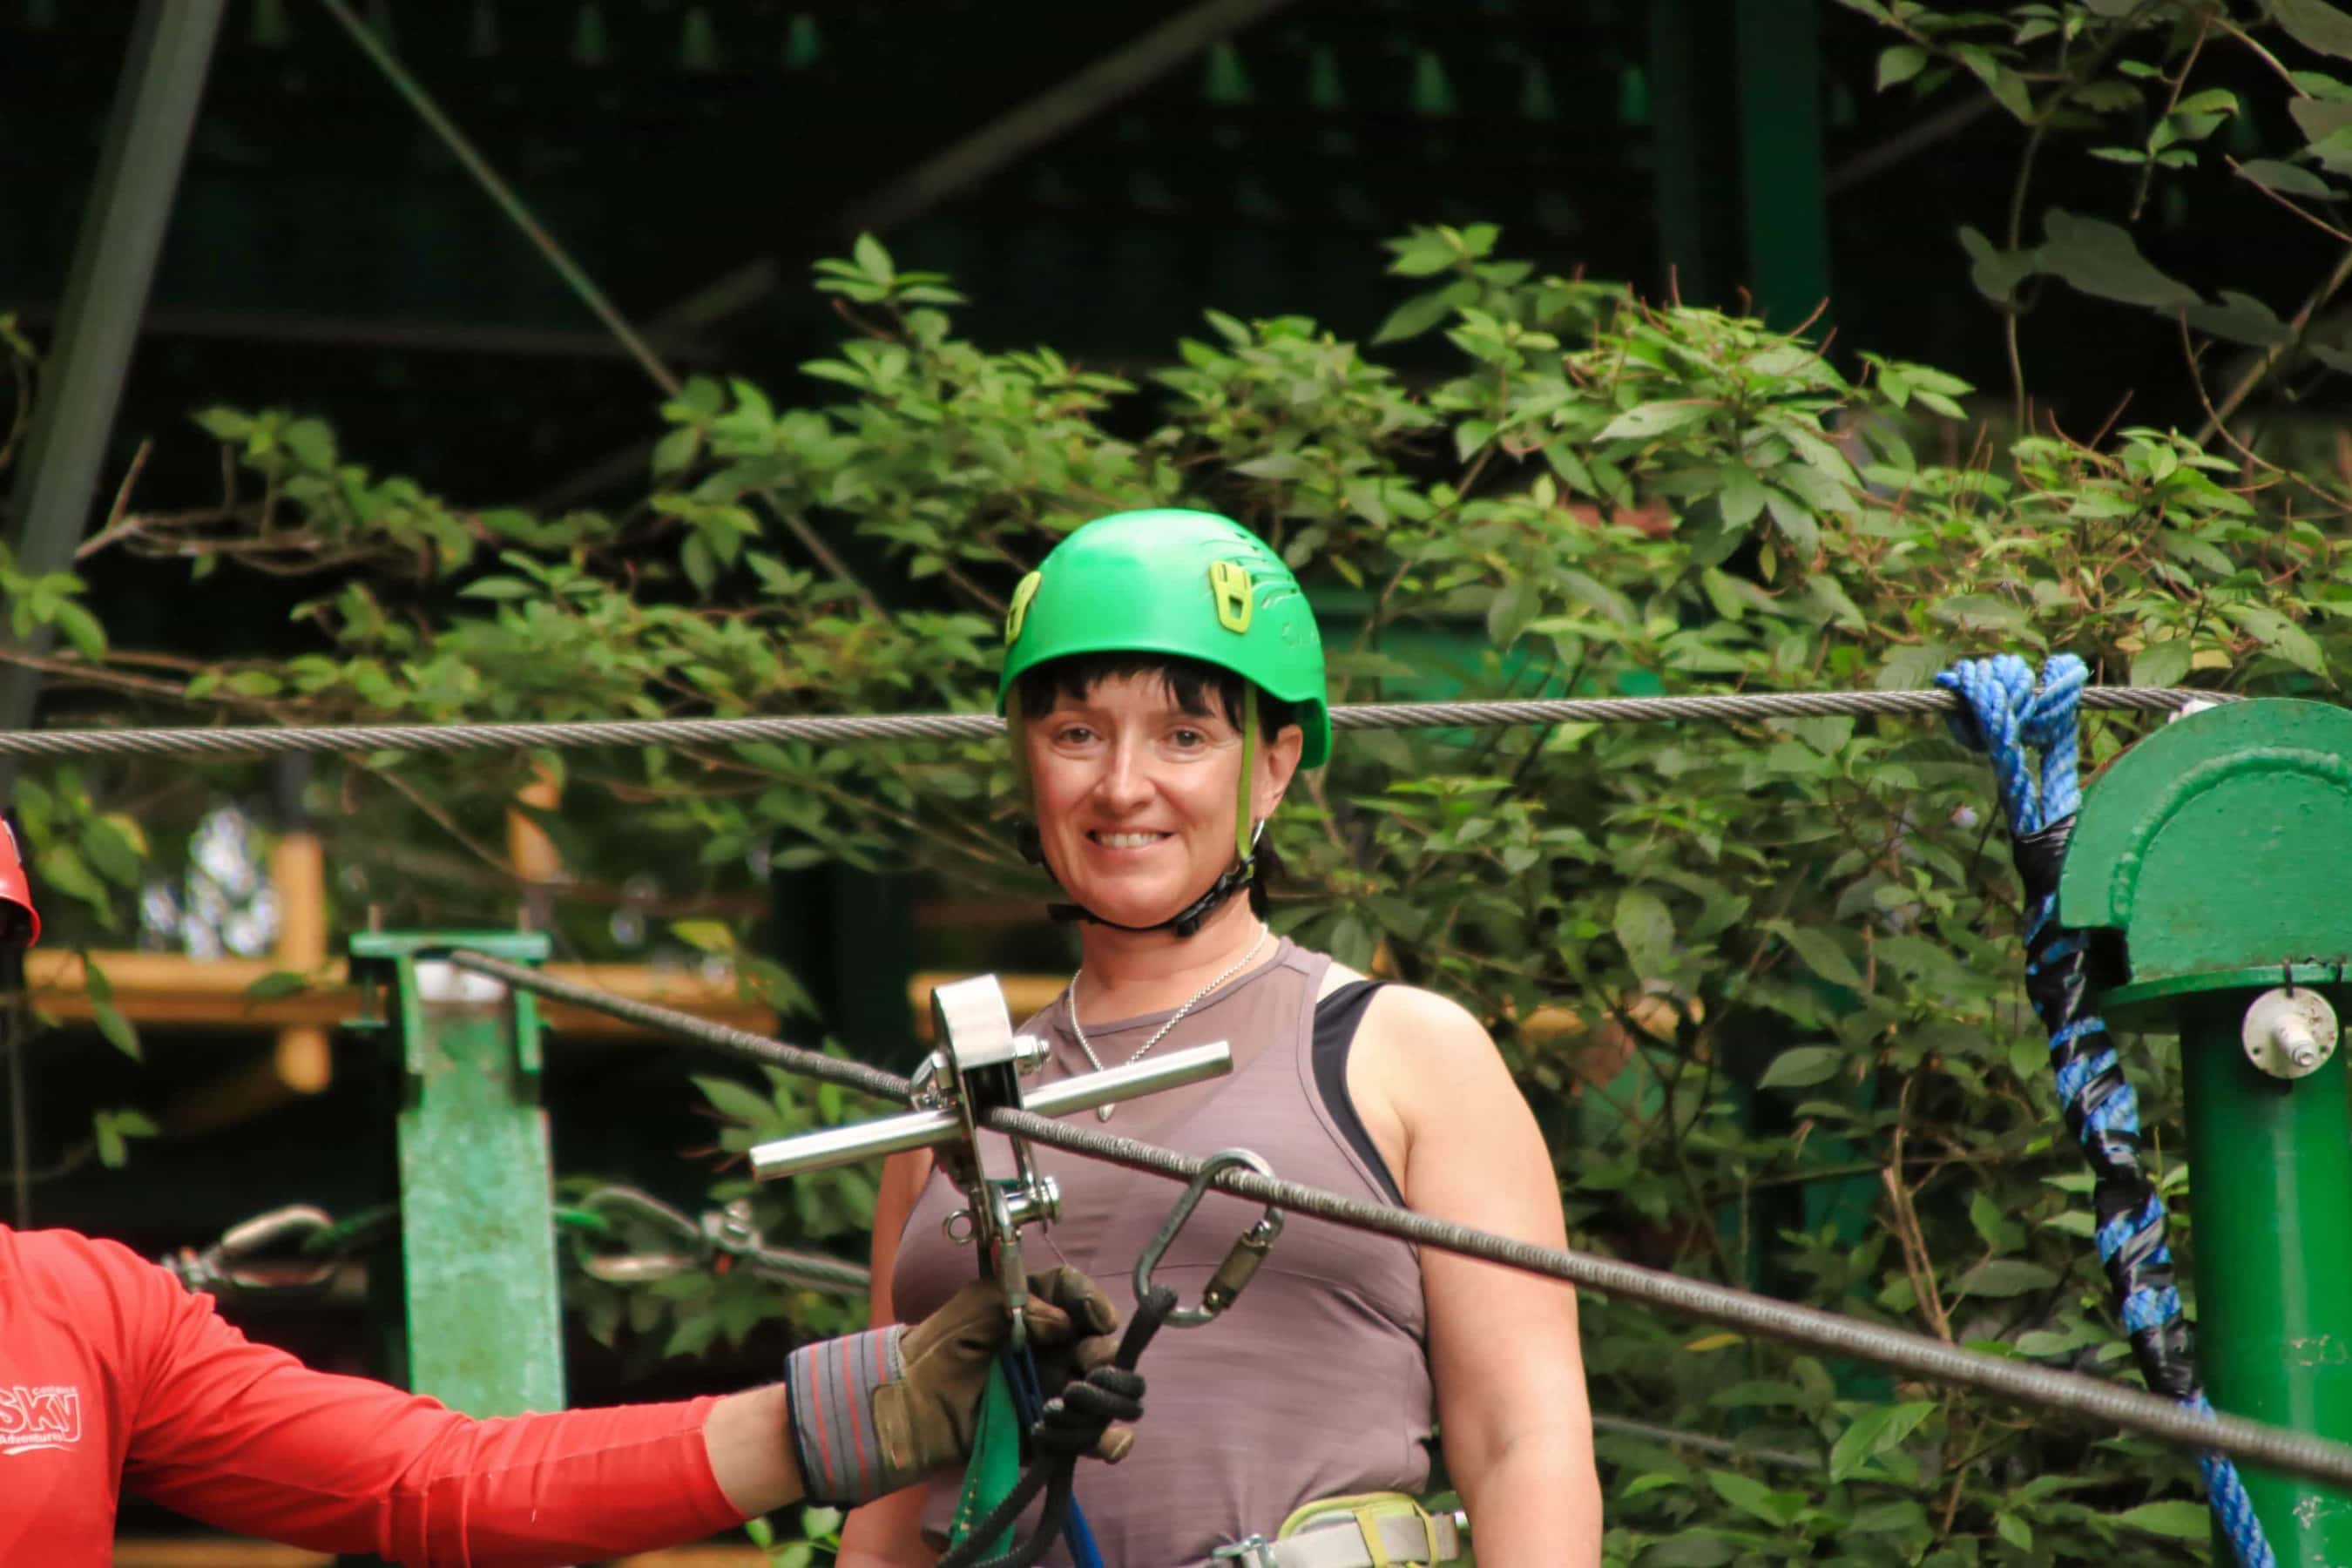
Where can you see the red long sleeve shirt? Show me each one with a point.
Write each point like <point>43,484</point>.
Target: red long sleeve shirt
<point>111,1375</point>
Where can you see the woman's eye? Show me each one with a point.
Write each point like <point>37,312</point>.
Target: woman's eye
<point>1189,738</point>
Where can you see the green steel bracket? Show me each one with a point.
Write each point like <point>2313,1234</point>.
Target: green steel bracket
<point>2220,848</point>
<point>476,1210</point>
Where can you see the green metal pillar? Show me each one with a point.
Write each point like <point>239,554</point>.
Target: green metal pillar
<point>1781,157</point>
<point>1737,90</point>
<point>106,296</point>
<point>477,1211</point>
<point>2218,847</point>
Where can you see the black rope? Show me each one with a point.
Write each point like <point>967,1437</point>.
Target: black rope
<point>1074,1422</point>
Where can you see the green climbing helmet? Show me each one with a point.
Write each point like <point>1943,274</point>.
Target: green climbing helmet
<point>1168,581</point>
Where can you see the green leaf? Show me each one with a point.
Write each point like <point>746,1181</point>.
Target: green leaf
<point>1873,1433</point>
<point>1753,1497</point>
<point>81,629</point>
<point>1824,956</point>
<point>2279,635</point>
<point>2287,179</point>
<point>310,441</point>
<point>278,982</point>
<point>115,1027</point>
<point>2006,1277</point>
<point>1422,311</point>
<point>1795,523</point>
<point>1512,608</point>
<point>1899,65</point>
<point>871,258</point>
<point>1741,499</point>
<point>2327,126</point>
<point>735,1100</point>
<point>2241,318</point>
<point>674,451</point>
<point>1646,929</point>
<point>1998,274</point>
<point>500,588</point>
<point>2316,24</point>
<point>112,1128</point>
<point>1805,1066</point>
<point>2181,1520</point>
<point>2161,663</point>
<point>1654,419</point>
<point>224,424</point>
<point>2013,1528</point>
<point>2102,259</point>
<point>705,936</point>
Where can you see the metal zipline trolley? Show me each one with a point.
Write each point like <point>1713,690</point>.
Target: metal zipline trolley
<point>978,1068</point>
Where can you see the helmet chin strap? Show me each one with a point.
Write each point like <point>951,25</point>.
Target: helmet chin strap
<point>1188,921</point>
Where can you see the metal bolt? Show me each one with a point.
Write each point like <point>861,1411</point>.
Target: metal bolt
<point>2293,1032</point>
<point>1029,1054</point>
<point>2289,1033</point>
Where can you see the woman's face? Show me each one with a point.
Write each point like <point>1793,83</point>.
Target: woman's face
<point>1136,797</point>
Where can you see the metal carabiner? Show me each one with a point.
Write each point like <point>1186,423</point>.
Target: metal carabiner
<point>1240,1263</point>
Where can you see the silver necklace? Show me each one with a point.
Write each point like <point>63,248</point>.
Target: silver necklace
<point>1102,1112</point>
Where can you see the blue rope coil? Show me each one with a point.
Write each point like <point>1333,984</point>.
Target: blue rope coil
<point>2010,713</point>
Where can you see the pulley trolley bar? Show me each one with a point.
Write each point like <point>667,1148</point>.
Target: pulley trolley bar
<point>928,1129</point>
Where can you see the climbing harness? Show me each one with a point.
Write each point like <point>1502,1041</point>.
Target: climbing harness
<point>2008,714</point>
<point>1373,1529</point>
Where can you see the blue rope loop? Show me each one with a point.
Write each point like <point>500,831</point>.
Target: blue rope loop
<point>2010,713</point>
<point>1028,1404</point>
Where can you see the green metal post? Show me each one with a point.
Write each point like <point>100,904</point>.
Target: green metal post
<point>1781,157</point>
<point>2272,1163</point>
<point>477,1212</point>
<point>2217,846</point>
<point>106,296</point>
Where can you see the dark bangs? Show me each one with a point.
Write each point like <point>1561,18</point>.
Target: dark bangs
<point>1192,683</point>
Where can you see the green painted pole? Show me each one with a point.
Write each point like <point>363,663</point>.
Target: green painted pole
<point>477,1209</point>
<point>2217,847</point>
<point>2273,1174</point>
<point>1781,158</point>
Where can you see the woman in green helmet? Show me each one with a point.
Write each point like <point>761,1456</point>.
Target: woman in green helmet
<point>1163,684</point>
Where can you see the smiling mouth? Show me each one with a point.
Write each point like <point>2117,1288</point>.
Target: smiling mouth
<point>1127,840</point>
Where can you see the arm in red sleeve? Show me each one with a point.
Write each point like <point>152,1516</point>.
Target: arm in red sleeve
<point>246,1438</point>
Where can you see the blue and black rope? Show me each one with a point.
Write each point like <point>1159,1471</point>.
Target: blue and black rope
<point>2009,714</point>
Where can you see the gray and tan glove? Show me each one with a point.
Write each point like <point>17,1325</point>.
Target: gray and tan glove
<point>875,1411</point>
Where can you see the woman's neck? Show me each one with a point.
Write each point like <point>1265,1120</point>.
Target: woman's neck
<point>1130,972</point>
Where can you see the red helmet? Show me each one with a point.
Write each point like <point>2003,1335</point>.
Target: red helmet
<point>20,922</point>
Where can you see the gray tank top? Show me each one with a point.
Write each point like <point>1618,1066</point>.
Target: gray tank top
<point>1316,1382</point>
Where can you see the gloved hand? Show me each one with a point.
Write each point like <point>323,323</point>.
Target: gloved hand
<point>875,1411</point>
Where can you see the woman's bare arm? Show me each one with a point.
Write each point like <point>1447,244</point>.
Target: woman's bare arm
<point>1503,1345</point>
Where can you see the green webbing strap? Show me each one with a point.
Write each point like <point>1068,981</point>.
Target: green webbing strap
<point>995,1463</point>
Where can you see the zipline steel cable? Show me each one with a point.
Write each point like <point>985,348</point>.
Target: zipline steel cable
<point>462,735</point>
<point>2128,1409</point>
